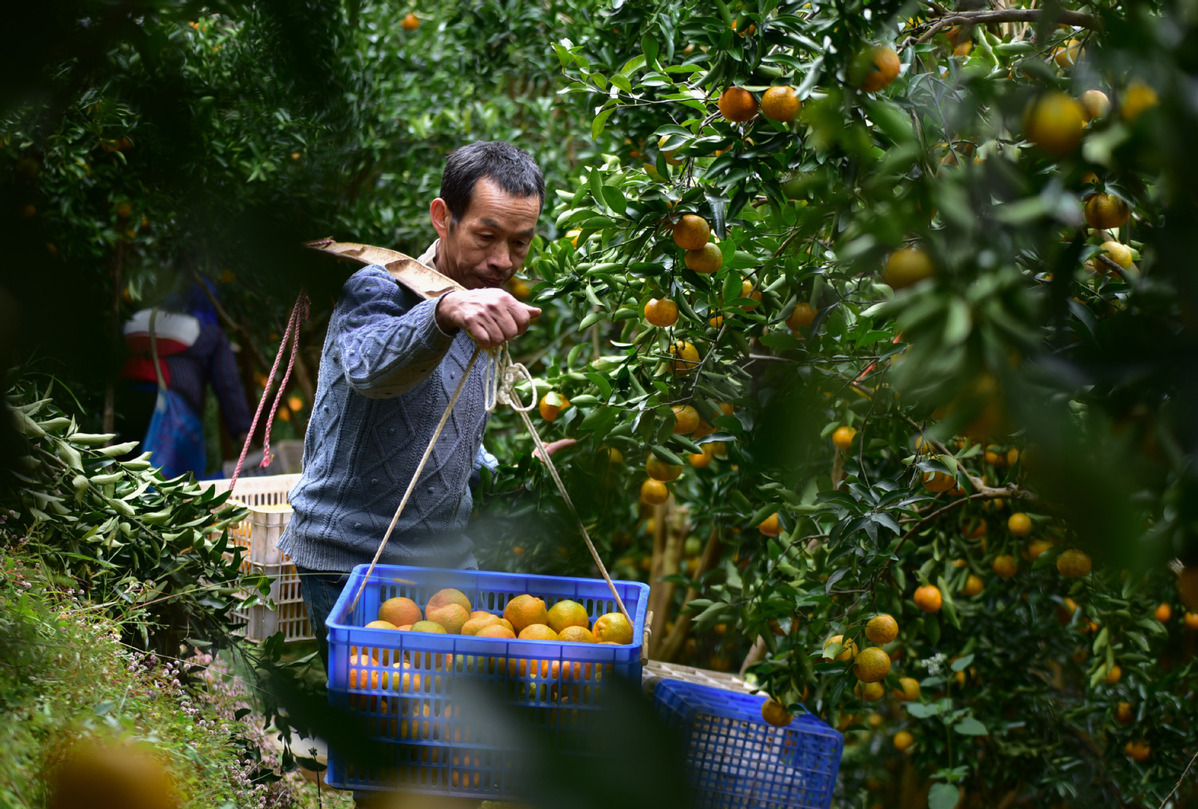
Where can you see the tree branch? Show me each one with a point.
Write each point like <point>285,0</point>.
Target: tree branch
<point>1025,15</point>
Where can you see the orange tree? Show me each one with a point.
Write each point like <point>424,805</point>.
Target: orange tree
<point>934,322</point>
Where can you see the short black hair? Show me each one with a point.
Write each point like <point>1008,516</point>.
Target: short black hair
<point>509,167</point>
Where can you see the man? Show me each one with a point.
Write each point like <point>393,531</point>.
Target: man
<point>390,363</point>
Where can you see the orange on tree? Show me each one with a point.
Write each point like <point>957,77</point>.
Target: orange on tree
<point>780,103</point>
<point>1035,548</point>
<point>842,437</point>
<point>869,692</point>
<point>906,267</point>
<point>1004,566</point>
<point>973,585</point>
<point>773,713</point>
<point>903,740</point>
<point>701,460</point>
<point>552,404</point>
<point>908,690</point>
<point>875,68</point>
<point>848,648</point>
<point>881,629</point>
<point>1113,674</point>
<point>871,665</point>
<point>770,526</point>
<point>1106,211</point>
<point>660,470</point>
<point>410,22</point>
<point>747,290</point>
<point>1116,252</point>
<point>937,481</point>
<point>928,598</point>
<point>1124,713</point>
<point>686,419</point>
<point>737,105</point>
<point>705,260</point>
<point>1138,751</point>
<point>1055,122</point>
<point>1019,524</point>
<point>1073,563</point>
<point>1137,98</point>
<point>1163,612</point>
<point>1095,104</point>
<point>802,316</point>
<point>684,357</point>
<point>654,492</point>
<point>661,312</point>
<point>1191,621</point>
<point>691,232</point>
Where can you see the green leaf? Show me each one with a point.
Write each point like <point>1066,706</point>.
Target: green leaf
<point>943,796</point>
<point>923,710</point>
<point>970,727</point>
<point>600,121</point>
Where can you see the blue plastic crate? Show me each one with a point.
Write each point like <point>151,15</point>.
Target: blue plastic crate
<point>737,760</point>
<point>416,696</point>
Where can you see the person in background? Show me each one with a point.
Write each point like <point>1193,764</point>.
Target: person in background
<point>163,406</point>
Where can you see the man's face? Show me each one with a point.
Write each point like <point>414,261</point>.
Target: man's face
<point>490,242</point>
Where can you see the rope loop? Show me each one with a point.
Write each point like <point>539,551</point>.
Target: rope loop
<point>503,375</point>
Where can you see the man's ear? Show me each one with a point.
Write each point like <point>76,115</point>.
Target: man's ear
<point>440,216</point>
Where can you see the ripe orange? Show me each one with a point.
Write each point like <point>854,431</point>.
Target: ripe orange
<point>869,692</point>
<point>700,460</point>
<point>907,266</point>
<point>748,291</point>
<point>903,740</point>
<point>410,23</point>
<point>737,105</point>
<point>552,404</point>
<point>1054,122</point>
<point>882,629</point>
<point>496,631</point>
<point>568,613</point>
<point>1138,751</point>
<point>928,598</point>
<point>1073,563</point>
<point>449,595</point>
<point>685,357</point>
<point>802,316</point>
<point>1068,54</point>
<point>773,713</point>
<point>452,616</point>
<point>477,623</point>
<point>1116,252</point>
<point>382,625</point>
<point>654,492</point>
<point>612,627</point>
<point>843,437</point>
<point>686,419</point>
<point>1095,104</point>
<point>876,68</point>
<point>399,611</point>
<point>537,632</point>
<point>1163,613</point>
<point>525,610</point>
<point>1005,566</point>
<point>691,232</point>
<point>848,649</point>
<point>429,626</point>
<point>706,260</point>
<point>1191,621</point>
<point>780,103</point>
<point>1035,548</point>
<point>770,526</point>
<point>871,665</point>
<point>661,312</point>
<point>1137,98</point>
<point>908,690</point>
<point>1019,524</point>
<point>576,634</point>
<point>660,470</point>
<point>1124,713</point>
<point>1113,675</point>
<point>973,585</point>
<point>1106,211</point>
<point>938,481</point>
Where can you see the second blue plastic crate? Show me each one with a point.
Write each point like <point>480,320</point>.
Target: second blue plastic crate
<point>737,760</point>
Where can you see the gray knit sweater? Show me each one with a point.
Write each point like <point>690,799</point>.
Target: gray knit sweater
<point>387,372</point>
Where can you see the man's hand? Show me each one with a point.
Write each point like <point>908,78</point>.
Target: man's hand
<point>490,316</point>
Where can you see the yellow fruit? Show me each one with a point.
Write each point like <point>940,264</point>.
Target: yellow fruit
<point>525,610</point>
<point>903,740</point>
<point>382,625</point>
<point>737,105</point>
<point>843,437</point>
<point>908,690</point>
<point>1035,548</point>
<point>1138,751</point>
<point>706,260</point>
<point>576,634</point>
<point>537,632</point>
<point>870,692</point>
<point>1005,566</point>
<point>928,598</point>
<point>691,232</point>
<point>747,291</point>
<point>876,68</point>
<point>612,627</point>
<point>770,526</point>
<point>780,104</point>
<point>848,650</point>
<point>1095,104</point>
<point>552,404</point>
<point>400,611</point>
<point>568,613</point>
<point>450,616</point>
<point>410,23</point>
<point>802,316</point>
<point>654,492</point>
<point>882,629</point>
<point>1106,211</point>
<point>448,596</point>
<point>496,631</point>
<point>573,235</point>
<point>480,622</point>
<point>1054,122</point>
<point>1073,563</point>
<point>1124,713</point>
<point>700,460</point>
<point>973,585</point>
<point>661,312</point>
<point>1191,621</point>
<point>1163,613</point>
<point>1019,524</point>
<point>1116,252</point>
<point>1137,98</point>
<point>871,665</point>
<point>685,357</point>
<point>686,419</point>
<point>938,481</point>
<point>906,267</point>
<point>660,470</point>
<point>773,713</point>
<point>1068,54</point>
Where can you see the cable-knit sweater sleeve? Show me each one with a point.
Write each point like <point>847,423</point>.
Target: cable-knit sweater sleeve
<point>388,340</point>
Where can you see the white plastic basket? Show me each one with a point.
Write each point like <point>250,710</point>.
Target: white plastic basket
<point>259,533</point>
<point>656,671</point>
